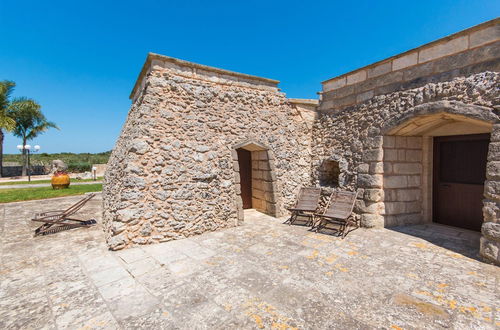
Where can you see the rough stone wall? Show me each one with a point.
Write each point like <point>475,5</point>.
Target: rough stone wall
<point>490,242</point>
<point>171,174</point>
<point>355,135</point>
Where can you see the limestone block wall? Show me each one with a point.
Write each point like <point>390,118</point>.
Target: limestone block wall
<point>172,173</point>
<point>402,170</point>
<point>263,197</point>
<point>464,53</point>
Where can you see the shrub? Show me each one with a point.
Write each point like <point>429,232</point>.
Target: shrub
<point>79,167</point>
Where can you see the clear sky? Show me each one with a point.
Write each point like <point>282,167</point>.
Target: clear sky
<point>80,59</point>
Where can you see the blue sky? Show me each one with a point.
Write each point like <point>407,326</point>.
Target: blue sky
<point>80,59</point>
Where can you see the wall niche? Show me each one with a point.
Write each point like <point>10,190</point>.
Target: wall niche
<point>329,173</point>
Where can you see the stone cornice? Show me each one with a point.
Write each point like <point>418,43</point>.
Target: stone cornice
<point>167,61</point>
<point>416,50</point>
<point>304,101</point>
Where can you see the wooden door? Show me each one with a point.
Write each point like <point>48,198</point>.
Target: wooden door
<point>245,163</point>
<point>459,175</point>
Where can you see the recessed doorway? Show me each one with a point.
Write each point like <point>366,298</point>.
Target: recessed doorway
<point>245,165</point>
<point>254,164</point>
<point>459,172</point>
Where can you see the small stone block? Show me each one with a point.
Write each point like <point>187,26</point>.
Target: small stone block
<point>379,69</point>
<point>395,181</point>
<point>405,61</point>
<point>389,141</point>
<point>334,84</point>
<point>443,49</point>
<point>484,36</point>
<point>356,77</point>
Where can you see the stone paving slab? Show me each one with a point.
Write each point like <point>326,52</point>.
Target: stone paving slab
<point>262,275</point>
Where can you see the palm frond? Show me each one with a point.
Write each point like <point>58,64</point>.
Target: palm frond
<point>6,89</point>
<point>30,121</point>
<point>7,123</point>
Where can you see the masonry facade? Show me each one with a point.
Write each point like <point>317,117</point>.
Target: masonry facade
<point>176,169</point>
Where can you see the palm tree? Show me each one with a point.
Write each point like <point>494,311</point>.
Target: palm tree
<point>6,123</point>
<point>30,121</point>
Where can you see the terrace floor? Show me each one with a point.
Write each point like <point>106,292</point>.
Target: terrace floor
<point>264,274</point>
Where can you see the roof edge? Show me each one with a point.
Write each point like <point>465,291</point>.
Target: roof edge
<point>304,101</point>
<point>179,62</point>
<point>446,38</point>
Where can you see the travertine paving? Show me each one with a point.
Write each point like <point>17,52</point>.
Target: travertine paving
<point>264,274</point>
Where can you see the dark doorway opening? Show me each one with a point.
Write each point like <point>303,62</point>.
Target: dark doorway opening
<point>245,164</point>
<point>459,173</point>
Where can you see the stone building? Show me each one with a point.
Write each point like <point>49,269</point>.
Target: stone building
<point>417,135</point>
<point>191,131</point>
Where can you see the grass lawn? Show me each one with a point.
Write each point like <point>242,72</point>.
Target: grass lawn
<point>26,194</point>
<point>45,181</point>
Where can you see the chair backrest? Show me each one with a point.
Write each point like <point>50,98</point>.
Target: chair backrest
<point>308,198</point>
<point>340,204</point>
<point>78,205</point>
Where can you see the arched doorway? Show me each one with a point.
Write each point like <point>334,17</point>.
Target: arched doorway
<point>398,167</point>
<point>434,170</point>
<point>254,166</point>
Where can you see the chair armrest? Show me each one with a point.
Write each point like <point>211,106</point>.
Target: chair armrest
<point>48,213</point>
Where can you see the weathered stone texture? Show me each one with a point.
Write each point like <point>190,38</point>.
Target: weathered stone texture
<point>171,174</point>
<point>376,161</point>
<point>468,52</point>
<point>174,171</point>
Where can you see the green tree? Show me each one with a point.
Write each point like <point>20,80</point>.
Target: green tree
<point>6,123</point>
<point>30,121</point>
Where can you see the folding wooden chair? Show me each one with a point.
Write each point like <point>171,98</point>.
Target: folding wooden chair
<point>306,205</point>
<point>55,221</point>
<point>338,211</point>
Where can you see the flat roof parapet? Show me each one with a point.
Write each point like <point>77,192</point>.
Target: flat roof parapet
<point>478,35</point>
<point>467,52</point>
<point>201,71</point>
<point>313,102</point>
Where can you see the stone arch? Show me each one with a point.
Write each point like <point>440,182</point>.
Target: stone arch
<point>452,110</point>
<point>265,197</point>
<point>399,162</point>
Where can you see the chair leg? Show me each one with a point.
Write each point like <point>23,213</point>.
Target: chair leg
<point>312,221</point>
<point>316,222</point>
<point>345,228</point>
<point>319,223</point>
<point>348,223</point>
